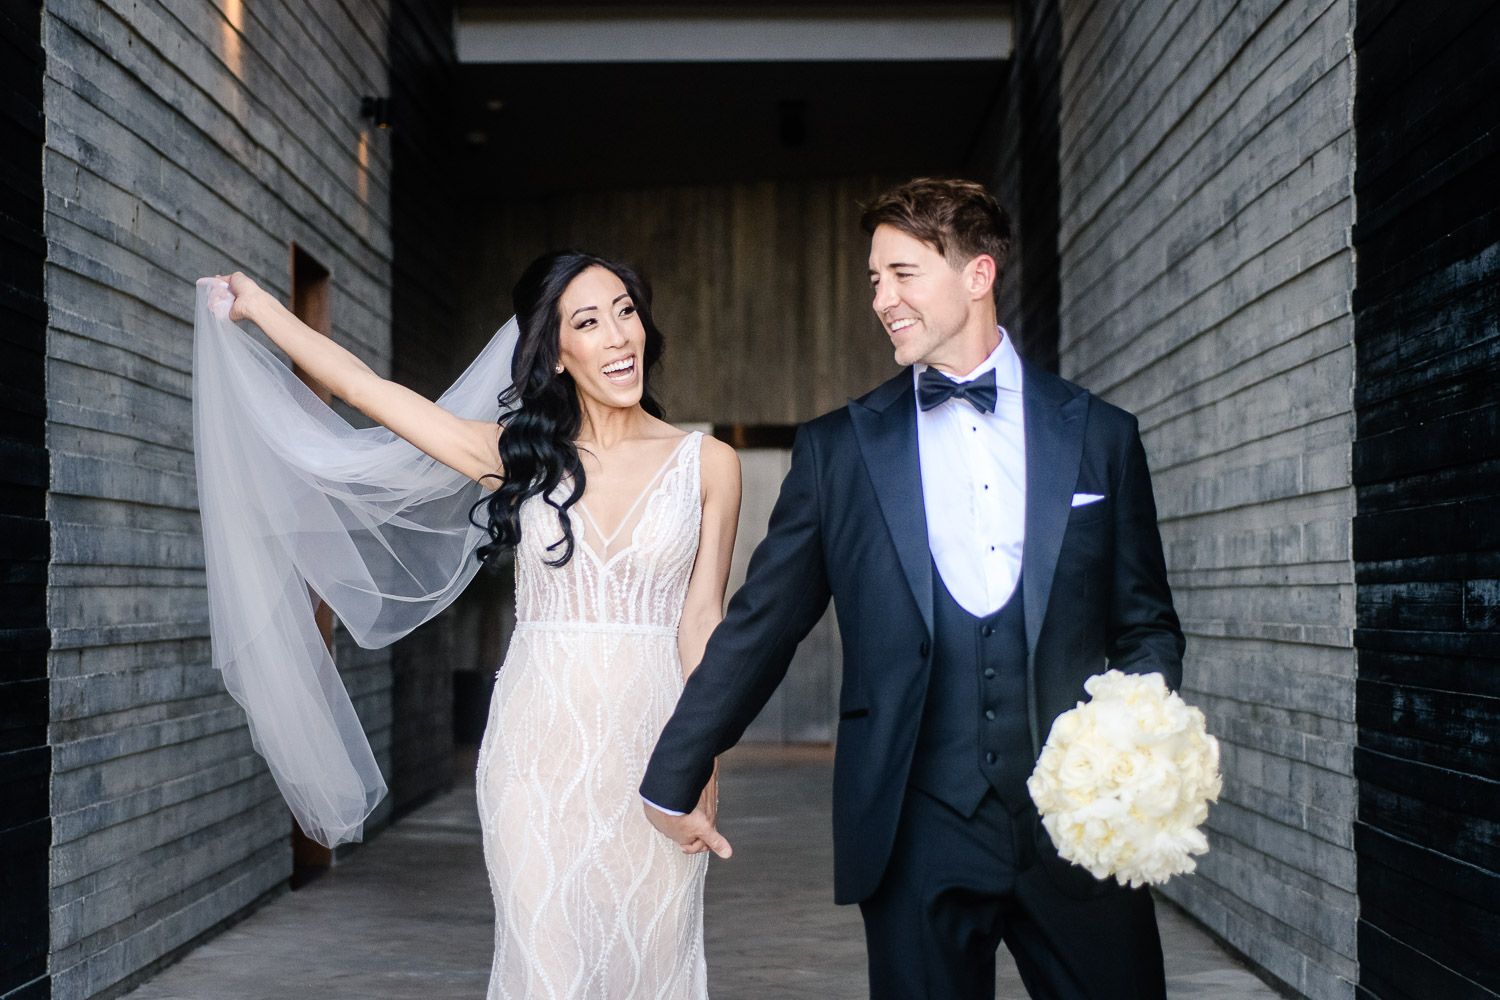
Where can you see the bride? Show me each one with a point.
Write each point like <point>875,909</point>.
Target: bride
<point>622,527</point>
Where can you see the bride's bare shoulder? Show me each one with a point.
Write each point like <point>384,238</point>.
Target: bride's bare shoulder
<point>720,466</point>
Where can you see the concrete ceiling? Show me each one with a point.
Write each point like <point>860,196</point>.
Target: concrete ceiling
<point>662,116</point>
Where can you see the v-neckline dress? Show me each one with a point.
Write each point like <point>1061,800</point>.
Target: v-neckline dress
<point>590,900</point>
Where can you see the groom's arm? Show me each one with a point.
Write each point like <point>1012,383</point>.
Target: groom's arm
<point>785,593</point>
<point>1144,633</point>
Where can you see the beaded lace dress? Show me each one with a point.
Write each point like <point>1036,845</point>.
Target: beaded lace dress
<point>590,900</point>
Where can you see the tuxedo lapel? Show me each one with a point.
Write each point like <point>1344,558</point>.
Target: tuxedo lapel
<point>1054,412</point>
<point>885,424</point>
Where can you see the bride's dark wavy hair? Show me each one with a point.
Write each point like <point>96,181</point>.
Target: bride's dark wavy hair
<point>540,411</point>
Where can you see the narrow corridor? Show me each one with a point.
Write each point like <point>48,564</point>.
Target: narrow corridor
<point>408,916</point>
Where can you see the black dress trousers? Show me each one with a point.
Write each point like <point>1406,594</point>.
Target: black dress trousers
<point>957,886</point>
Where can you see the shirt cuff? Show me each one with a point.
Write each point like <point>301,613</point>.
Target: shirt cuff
<point>669,812</point>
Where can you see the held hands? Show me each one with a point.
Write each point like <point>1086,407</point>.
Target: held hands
<point>695,831</point>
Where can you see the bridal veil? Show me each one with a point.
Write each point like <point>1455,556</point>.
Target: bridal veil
<point>299,504</point>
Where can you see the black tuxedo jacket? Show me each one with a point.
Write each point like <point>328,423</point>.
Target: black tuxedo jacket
<point>850,523</point>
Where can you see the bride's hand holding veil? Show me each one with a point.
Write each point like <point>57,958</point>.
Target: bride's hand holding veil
<point>231,299</point>
<point>466,446</point>
<point>296,500</point>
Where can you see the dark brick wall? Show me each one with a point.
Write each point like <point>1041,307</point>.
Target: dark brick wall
<point>1427,471</point>
<point>25,758</point>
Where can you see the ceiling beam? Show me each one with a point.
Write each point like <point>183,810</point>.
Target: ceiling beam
<point>622,34</point>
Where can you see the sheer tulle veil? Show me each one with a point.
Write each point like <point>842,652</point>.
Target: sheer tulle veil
<point>296,501</point>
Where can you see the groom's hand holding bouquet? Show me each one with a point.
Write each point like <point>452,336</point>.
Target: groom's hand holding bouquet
<point>1124,780</point>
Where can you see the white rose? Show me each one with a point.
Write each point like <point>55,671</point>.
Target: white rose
<point>1159,790</point>
<point>1125,769</point>
<point>1079,772</point>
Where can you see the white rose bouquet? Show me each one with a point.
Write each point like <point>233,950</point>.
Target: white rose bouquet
<point>1125,779</point>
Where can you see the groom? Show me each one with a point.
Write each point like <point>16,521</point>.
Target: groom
<point>988,534</point>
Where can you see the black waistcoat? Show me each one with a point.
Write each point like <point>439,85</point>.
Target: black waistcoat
<point>974,734</point>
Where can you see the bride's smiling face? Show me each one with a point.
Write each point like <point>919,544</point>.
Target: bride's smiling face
<point>601,338</point>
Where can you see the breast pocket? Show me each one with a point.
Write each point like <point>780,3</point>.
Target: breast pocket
<point>1089,510</point>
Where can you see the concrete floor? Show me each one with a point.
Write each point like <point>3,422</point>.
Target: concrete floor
<point>409,915</point>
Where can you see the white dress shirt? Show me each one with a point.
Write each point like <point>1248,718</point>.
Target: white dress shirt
<point>974,486</point>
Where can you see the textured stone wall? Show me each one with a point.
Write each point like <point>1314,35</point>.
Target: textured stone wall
<point>182,138</point>
<point>1205,165</point>
<point>25,760</point>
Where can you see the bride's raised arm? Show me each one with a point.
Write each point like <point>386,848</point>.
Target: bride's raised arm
<point>467,446</point>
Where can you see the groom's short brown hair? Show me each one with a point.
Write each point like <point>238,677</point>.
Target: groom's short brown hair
<point>958,219</point>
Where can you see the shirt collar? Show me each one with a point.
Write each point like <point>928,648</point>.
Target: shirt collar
<point>1003,359</point>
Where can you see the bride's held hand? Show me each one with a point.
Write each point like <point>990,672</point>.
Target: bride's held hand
<point>695,831</point>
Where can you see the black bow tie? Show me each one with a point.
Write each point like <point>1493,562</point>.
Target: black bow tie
<point>934,388</point>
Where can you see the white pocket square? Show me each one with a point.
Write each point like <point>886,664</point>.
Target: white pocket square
<point>1084,499</point>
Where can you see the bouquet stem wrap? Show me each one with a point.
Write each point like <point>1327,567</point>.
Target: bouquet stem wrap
<point>1124,780</point>
<point>296,502</point>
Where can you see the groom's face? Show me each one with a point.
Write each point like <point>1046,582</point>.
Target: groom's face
<point>922,302</point>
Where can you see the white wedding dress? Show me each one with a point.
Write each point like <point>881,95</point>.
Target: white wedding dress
<point>590,900</point>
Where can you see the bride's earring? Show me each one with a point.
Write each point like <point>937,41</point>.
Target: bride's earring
<point>558,370</point>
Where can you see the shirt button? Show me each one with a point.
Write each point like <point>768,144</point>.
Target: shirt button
<point>989,673</point>
<point>989,713</point>
<point>992,548</point>
<point>986,485</point>
<point>987,631</point>
<point>989,758</point>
